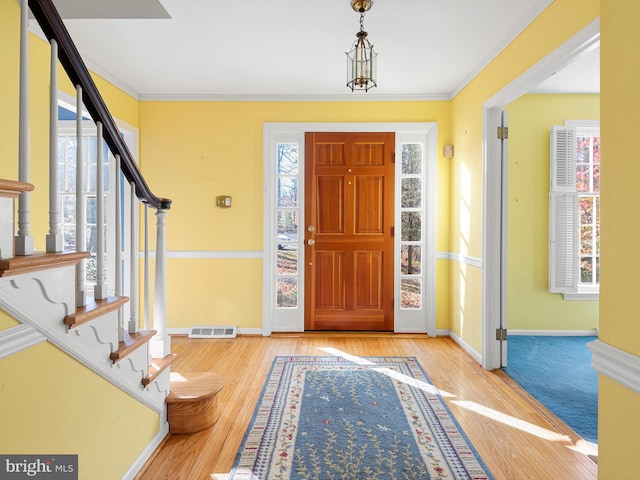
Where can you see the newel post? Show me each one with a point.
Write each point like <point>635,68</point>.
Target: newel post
<point>161,343</point>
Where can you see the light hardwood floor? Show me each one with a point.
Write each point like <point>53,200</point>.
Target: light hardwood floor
<point>516,438</point>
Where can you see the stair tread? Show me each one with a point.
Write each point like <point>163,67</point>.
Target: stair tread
<point>39,261</point>
<point>158,365</point>
<point>193,386</point>
<point>14,187</point>
<point>131,342</point>
<point>94,309</point>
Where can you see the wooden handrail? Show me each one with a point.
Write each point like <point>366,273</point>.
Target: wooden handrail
<point>53,27</point>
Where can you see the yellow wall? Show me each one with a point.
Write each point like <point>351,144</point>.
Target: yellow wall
<point>7,321</point>
<point>193,151</point>
<point>529,304</point>
<point>559,22</point>
<point>619,408</point>
<point>52,404</point>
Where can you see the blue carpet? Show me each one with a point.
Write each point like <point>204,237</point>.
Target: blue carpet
<point>373,418</point>
<point>557,372</point>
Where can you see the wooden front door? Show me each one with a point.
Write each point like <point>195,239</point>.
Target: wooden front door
<point>349,231</point>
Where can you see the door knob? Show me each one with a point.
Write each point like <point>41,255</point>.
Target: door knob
<point>311,241</point>
<point>311,228</point>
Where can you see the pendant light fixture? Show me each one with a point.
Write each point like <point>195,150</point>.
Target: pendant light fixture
<point>361,60</point>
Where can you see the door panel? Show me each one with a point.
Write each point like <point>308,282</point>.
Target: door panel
<point>369,205</point>
<point>349,231</point>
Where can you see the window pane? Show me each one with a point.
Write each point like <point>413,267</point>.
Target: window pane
<point>93,149</point>
<point>586,210</point>
<point>92,214</point>
<point>411,293</point>
<point>411,192</point>
<point>596,150</point>
<point>91,238</point>
<point>287,225</point>
<point>596,178</point>
<point>92,269</point>
<point>287,291</point>
<point>586,239</point>
<point>287,261</point>
<point>287,192</point>
<point>69,209</point>
<point>586,269</point>
<point>69,234</point>
<point>288,158</point>
<point>598,270</point>
<point>92,181</point>
<point>583,150</point>
<point>411,226</point>
<point>411,158</point>
<point>583,183</point>
<point>410,260</point>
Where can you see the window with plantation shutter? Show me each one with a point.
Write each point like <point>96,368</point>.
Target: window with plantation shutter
<point>574,210</point>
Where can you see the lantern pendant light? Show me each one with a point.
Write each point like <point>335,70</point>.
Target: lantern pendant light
<point>361,60</point>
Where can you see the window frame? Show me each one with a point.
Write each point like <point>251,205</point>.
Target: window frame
<point>564,234</point>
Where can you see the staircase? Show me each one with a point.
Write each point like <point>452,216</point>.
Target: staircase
<point>47,293</point>
<point>38,290</point>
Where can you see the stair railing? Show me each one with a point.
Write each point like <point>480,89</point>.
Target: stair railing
<point>63,50</point>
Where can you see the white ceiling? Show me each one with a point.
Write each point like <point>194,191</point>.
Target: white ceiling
<point>255,49</point>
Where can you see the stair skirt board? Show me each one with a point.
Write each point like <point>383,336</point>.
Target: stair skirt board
<point>212,331</point>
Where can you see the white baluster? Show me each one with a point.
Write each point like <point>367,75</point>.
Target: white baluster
<point>161,342</point>
<point>23,240</point>
<point>100,288</point>
<point>118,244</point>
<point>54,238</point>
<point>135,259</point>
<point>81,210</point>
<point>147,289</point>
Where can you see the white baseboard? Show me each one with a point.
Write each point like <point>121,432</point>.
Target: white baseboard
<point>555,333</point>
<point>465,346</point>
<point>147,452</point>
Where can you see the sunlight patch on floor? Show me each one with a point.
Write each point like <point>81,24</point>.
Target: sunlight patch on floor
<point>339,353</point>
<point>585,448</point>
<point>512,421</point>
<point>581,446</point>
<point>414,382</point>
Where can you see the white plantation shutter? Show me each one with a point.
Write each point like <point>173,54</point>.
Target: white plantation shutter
<point>563,159</point>
<point>564,248</point>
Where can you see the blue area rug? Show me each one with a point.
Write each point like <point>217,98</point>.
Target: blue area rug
<point>557,372</point>
<point>374,418</point>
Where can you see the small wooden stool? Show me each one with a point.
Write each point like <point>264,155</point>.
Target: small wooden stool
<point>192,403</point>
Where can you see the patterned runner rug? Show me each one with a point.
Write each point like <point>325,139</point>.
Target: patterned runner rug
<point>375,418</point>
